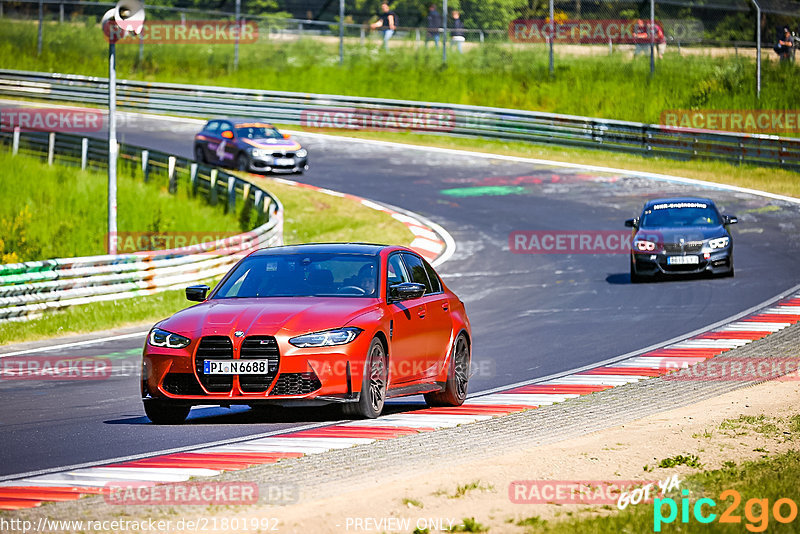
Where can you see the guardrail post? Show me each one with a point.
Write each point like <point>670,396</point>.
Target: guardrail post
<point>173,183</point>
<point>51,147</point>
<point>145,166</point>
<point>257,198</point>
<point>84,152</point>
<point>480,35</point>
<point>231,193</point>
<point>1,8</point>
<point>193,178</point>
<point>39,31</point>
<point>212,191</point>
<point>61,12</point>
<point>362,35</point>
<point>245,192</point>
<point>15,141</point>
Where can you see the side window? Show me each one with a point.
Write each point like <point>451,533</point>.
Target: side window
<point>395,271</point>
<point>436,284</point>
<point>417,271</point>
<point>212,127</point>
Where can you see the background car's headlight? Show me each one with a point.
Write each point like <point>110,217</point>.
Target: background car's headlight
<point>339,336</point>
<point>301,153</point>
<point>260,152</point>
<point>644,245</point>
<point>162,338</point>
<point>720,242</point>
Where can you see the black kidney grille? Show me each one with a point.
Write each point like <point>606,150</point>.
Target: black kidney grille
<point>690,247</point>
<point>259,348</point>
<point>296,384</point>
<point>182,384</point>
<point>214,348</point>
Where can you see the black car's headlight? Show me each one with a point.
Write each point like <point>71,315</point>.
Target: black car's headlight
<point>301,153</point>
<point>168,340</point>
<point>328,338</point>
<point>644,245</point>
<point>259,152</point>
<point>720,242</point>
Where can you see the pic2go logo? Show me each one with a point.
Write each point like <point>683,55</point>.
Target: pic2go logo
<point>756,511</point>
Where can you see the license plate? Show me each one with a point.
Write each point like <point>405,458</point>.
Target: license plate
<point>284,161</point>
<point>235,367</point>
<point>683,260</point>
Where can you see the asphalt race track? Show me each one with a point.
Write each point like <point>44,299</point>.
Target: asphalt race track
<point>532,314</point>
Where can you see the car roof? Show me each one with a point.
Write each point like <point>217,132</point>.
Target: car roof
<point>240,120</point>
<point>371,249</point>
<point>677,200</point>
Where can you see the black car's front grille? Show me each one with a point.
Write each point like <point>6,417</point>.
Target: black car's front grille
<point>690,247</point>
<point>182,384</point>
<point>214,348</point>
<point>296,384</point>
<point>282,155</point>
<point>261,348</point>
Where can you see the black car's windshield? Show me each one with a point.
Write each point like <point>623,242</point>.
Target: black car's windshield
<point>257,131</point>
<point>677,214</point>
<point>303,275</point>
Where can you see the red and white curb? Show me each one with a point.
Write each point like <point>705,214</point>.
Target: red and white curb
<point>430,240</point>
<point>213,460</point>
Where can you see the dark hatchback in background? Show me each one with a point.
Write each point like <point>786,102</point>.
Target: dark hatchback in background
<point>249,145</point>
<point>678,236</point>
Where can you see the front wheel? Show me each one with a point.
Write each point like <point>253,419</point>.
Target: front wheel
<point>455,391</point>
<point>635,278</point>
<point>164,412</point>
<point>199,155</point>
<point>373,385</point>
<point>242,163</point>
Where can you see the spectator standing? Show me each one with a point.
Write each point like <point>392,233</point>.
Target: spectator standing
<point>785,45</point>
<point>434,25</point>
<point>458,31</point>
<point>388,22</point>
<point>660,41</point>
<point>641,38</point>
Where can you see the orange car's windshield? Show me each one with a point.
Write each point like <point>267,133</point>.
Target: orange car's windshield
<point>303,275</point>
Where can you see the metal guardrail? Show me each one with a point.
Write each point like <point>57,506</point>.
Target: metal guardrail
<point>28,289</point>
<point>451,119</point>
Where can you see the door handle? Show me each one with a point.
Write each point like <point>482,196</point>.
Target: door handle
<point>421,312</point>
<point>445,306</point>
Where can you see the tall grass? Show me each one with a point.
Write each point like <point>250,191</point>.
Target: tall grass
<point>59,211</point>
<point>612,86</point>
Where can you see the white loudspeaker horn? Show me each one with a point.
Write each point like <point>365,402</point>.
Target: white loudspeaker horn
<point>129,15</point>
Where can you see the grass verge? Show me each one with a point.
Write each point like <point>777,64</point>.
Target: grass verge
<point>60,212</point>
<point>760,484</point>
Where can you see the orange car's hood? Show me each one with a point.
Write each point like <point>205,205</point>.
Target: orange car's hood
<point>266,316</point>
